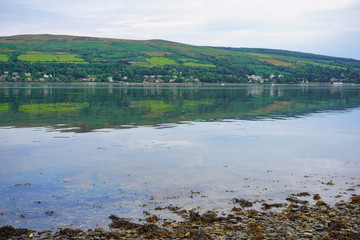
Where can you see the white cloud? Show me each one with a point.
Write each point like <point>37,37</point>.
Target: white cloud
<point>296,24</point>
<point>71,8</point>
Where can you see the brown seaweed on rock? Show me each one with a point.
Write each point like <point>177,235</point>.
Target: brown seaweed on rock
<point>296,200</point>
<point>355,199</point>
<point>207,217</point>
<point>242,202</point>
<point>7,232</point>
<point>267,206</point>
<point>302,194</point>
<point>150,231</point>
<point>122,223</point>
<point>68,232</point>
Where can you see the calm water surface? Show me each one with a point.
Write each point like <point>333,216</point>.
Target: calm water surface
<point>72,155</point>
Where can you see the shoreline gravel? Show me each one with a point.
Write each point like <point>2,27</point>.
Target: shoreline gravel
<point>295,220</point>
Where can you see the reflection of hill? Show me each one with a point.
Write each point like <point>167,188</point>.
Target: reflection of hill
<point>93,107</point>
<point>63,108</point>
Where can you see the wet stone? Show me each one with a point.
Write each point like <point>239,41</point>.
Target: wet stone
<point>319,227</point>
<point>273,234</point>
<point>233,220</point>
<point>229,234</point>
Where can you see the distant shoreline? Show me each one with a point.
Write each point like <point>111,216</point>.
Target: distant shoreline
<point>175,84</point>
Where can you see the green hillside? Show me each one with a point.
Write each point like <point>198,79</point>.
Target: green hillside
<point>72,58</point>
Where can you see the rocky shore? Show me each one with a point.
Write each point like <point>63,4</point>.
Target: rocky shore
<point>293,220</point>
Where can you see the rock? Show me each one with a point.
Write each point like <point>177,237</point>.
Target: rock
<point>236,225</point>
<point>175,225</point>
<point>99,230</point>
<point>233,220</point>
<point>273,234</point>
<point>332,214</point>
<point>229,234</point>
<point>294,209</point>
<point>323,234</point>
<point>242,235</point>
<point>319,227</point>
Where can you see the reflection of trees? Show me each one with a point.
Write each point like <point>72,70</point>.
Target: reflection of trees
<point>112,106</point>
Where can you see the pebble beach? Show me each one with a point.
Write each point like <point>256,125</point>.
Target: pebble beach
<point>295,220</point>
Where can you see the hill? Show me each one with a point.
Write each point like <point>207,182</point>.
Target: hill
<point>74,58</point>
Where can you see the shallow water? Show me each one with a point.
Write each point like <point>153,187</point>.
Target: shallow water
<point>73,155</point>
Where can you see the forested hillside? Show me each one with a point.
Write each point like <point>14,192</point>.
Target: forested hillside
<point>57,58</point>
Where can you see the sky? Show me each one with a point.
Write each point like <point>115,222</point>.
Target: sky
<point>328,27</point>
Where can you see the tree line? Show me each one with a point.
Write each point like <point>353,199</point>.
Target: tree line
<point>226,71</point>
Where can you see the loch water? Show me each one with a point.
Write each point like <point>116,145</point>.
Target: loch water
<point>71,155</point>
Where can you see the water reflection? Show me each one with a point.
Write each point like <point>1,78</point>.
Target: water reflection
<point>92,107</point>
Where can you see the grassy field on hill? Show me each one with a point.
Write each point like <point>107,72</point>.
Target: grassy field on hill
<point>3,57</point>
<point>158,61</point>
<point>50,57</point>
<point>102,59</point>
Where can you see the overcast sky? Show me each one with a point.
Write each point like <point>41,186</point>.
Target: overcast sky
<point>329,27</point>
